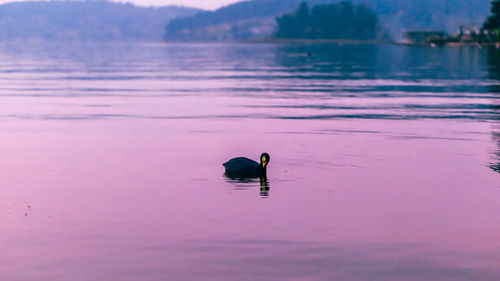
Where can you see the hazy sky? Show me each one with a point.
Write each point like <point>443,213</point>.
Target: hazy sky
<point>205,4</point>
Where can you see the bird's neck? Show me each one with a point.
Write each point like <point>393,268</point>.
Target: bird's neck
<point>262,170</point>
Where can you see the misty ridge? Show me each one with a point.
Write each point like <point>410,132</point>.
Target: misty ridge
<point>86,21</point>
<point>101,20</point>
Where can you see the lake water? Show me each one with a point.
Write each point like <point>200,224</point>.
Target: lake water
<point>384,163</point>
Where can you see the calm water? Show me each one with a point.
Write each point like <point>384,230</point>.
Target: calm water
<point>384,162</point>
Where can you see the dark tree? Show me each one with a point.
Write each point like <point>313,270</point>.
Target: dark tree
<point>366,25</point>
<point>335,21</point>
<point>493,22</point>
<point>302,20</point>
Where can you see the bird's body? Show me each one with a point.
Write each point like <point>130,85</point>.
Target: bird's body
<point>243,167</point>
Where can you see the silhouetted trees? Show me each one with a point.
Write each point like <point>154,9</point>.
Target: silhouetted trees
<point>492,24</point>
<point>335,21</point>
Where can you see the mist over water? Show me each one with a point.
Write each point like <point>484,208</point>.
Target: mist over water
<point>384,162</point>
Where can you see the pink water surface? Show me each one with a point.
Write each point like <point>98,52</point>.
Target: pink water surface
<point>111,165</point>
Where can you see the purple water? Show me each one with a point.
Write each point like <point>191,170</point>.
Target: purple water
<point>384,162</point>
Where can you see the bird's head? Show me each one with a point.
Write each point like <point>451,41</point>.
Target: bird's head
<point>264,160</point>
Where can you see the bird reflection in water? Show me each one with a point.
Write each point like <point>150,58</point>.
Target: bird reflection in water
<point>247,183</point>
<point>494,73</point>
<point>495,165</point>
<point>264,188</point>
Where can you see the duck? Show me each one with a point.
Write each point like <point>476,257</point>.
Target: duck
<point>242,167</point>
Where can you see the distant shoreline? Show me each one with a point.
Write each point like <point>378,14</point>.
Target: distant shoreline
<point>366,42</point>
<point>315,41</point>
<point>450,44</point>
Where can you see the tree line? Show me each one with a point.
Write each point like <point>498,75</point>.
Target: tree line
<point>492,24</point>
<point>333,21</point>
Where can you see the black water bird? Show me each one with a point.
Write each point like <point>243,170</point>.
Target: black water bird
<point>242,167</point>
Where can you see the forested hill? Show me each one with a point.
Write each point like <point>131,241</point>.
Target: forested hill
<point>343,21</point>
<point>85,21</point>
<point>256,18</point>
<point>242,20</point>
